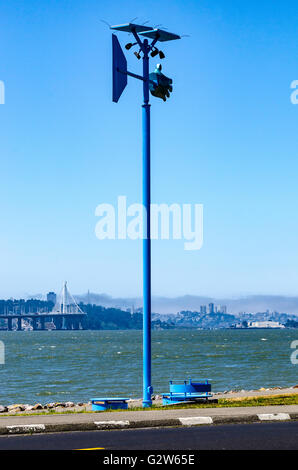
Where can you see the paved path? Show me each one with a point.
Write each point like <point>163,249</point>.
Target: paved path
<point>145,415</point>
<point>137,419</point>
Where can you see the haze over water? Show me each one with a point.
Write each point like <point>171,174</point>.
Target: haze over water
<point>77,365</point>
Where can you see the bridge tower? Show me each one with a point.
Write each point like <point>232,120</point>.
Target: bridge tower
<point>67,308</point>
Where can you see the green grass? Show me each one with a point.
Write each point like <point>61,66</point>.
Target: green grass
<point>233,403</point>
<point>246,402</point>
<point>272,400</point>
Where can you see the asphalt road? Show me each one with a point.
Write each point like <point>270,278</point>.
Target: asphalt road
<point>259,436</point>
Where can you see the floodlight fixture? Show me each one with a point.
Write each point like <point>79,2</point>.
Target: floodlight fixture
<point>154,52</point>
<point>130,45</point>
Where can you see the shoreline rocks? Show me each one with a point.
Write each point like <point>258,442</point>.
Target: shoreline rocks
<point>20,407</point>
<point>134,402</point>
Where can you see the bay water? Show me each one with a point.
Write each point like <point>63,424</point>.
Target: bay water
<point>49,366</point>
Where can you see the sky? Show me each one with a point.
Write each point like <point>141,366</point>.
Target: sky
<point>227,139</point>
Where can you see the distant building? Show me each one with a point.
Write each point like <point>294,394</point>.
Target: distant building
<point>52,297</point>
<point>223,309</point>
<point>211,308</point>
<point>203,310</point>
<point>265,324</point>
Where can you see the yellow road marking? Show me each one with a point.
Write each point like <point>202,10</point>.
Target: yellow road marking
<point>93,448</point>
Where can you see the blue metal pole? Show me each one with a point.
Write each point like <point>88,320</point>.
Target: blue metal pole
<point>147,388</point>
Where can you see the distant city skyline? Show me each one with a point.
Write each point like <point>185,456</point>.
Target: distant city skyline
<point>226,139</point>
<point>204,305</point>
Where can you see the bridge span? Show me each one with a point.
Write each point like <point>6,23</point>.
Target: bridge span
<point>38,321</point>
<point>66,315</point>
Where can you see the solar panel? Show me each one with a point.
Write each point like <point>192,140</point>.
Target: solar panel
<point>160,34</point>
<point>130,27</point>
<point>119,63</point>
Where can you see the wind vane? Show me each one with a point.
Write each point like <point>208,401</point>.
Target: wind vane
<point>160,86</point>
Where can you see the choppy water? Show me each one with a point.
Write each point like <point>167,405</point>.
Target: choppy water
<point>64,365</point>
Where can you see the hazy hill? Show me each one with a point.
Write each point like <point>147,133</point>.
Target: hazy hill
<point>249,304</point>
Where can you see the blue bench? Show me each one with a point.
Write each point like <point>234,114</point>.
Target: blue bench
<point>187,392</point>
<point>111,403</point>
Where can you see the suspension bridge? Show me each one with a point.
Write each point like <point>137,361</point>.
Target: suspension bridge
<point>66,315</point>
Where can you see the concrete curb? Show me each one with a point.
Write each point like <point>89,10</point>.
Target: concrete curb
<point>175,422</point>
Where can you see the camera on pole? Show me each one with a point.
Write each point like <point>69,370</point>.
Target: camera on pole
<point>160,86</point>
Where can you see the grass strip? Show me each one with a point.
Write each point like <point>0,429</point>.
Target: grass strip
<point>273,400</point>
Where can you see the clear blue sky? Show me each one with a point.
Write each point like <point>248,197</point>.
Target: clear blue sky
<point>227,138</point>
